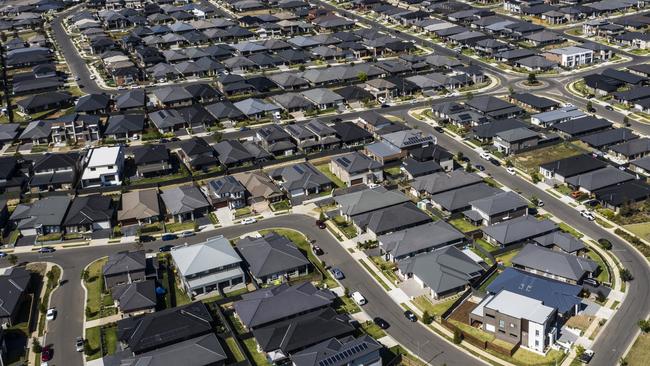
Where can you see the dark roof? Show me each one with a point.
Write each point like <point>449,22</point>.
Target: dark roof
<point>582,125</point>
<point>574,165</point>
<point>271,254</point>
<point>534,100</point>
<point>125,123</point>
<point>601,82</point>
<point>49,161</point>
<point>195,146</point>
<point>123,262</point>
<point>135,296</point>
<point>232,152</point>
<point>624,76</point>
<point>153,331</point>
<point>89,209</point>
<point>488,103</point>
<point>152,153</point>
<point>418,168</point>
<point>633,147</point>
<point>349,132</point>
<point>554,262</point>
<point>392,218</point>
<point>632,191</point>
<point>609,137</point>
<point>13,284</point>
<point>335,352</point>
<point>92,102</point>
<point>431,152</point>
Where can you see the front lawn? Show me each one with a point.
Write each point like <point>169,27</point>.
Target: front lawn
<point>604,275</point>
<point>387,268</point>
<point>241,212</point>
<point>373,329</point>
<point>463,225</point>
<point>257,358</point>
<point>94,346</point>
<point>181,226</point>
<point>283,205</point>
<point>347,228</point>
<point>640,351</point>
<point>423,303</point>
<point>325,169</point>
<point>344,304</point>
<point>568,229</point>
<point>94,284</point>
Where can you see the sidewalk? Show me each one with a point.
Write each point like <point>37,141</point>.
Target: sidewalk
<point>102,321</point>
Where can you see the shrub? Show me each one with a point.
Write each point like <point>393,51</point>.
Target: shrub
<point>605,244</point>
<point>458,336</point>
<point>644,325</point>
<point>626,275</point>
<point>427,318</point>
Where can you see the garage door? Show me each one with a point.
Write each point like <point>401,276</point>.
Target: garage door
<point>356,181</point>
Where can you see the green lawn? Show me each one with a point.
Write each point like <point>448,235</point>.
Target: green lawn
<point>374,274</point>
<point>531,160</point>
<point>325,169</point>
<point>463,225</point>
<point>281,205</point>
<point>506,258</point>
<point>50,286</point>
<point>485,245</point>
<point>642,230</point>
<point>303,244</point>
<point>244,211</point>
<point>94,286</point>
<point>344,304</point>
<point>423,303</point>
<point>566,228</point>
<point>92,338</point>
<point>484,336</point>
<point>182,173</point>
<point>180,226</point>
<point>387,268</point>
<point>110,338</point>
<point>373,329</point>
<point>395,170</point>
<point>258,358</point>
<point>236,353</point>
<point>347,228</point>
<point>604,275</point>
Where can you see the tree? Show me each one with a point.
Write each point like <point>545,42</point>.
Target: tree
<point>427,318</point>
<point>460,156</point>
<point>363,77</point>
<point>36,345</point>
<point>535,177</point>
<point>644,325</point>
<point>50,276</point>
<point>458,336</point>
<point>509,163</point>
<point>600,296</point>
<point>322,216</point>
<point>301,68</point>
<point>580,350</point>
<point>626,275</point>
<point>85,275</point>
<point>87,349</point>
<point>590,106</point>
<point>534,200</point>
<point>532,78</point>
<point>605,244</point>
<point>468,167</point>
<point>622,361</point>
<point>42,307</point>
<point>626,121</point>
<point>12,259</point>
<point>89,313</point>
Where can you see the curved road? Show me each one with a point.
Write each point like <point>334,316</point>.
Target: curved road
<point>69,298</point>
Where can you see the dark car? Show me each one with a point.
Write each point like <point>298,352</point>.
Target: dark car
<point>146,238</point>
<point>591,110</point>
<point>174,139</point>
<point>337,273</point>
<point>586,356</point>
<point>317,250</point>
<point>244,129</point>
<point>479,167</point>
<point>46,250</point>
<point>162,141</point>
<point>410,316</point>
<point>385,105</point>
<point>168,237</point>
<point>46,354</point>
<point>320,224</point>
<point>439,129</point>
<point>495,162</point>
<point>381,323</point>
<point>165,248</point>
<point>609,107</point>
<point>591,282</point>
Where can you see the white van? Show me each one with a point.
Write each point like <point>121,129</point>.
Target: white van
<point>358,298</point>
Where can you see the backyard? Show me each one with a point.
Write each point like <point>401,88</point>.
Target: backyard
<point>463,225</point>
<point>325,169</point>
<point>94,340</point>
<point>531,160</point>
<point>506,258</point>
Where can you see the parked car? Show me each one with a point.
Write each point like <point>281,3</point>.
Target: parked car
<point>167,237</point>
<point>511,170</point>
<point>337,273</point>
<point>591,110</point>
<point>410,316</point>
<point>381,323</point>
<point>439,129</point>
<point>244,129</point>
<point>162,141</point>
<point>3,254</point>
<point>46,250</point>
<point>46,353</point>
<point>186,234</point>
<point>249,220</point>
<point>79,344</point>
<point>146,238</point>
<point>317,250</point>
<point>479,167</point>
<point>165,248</point>
<point>320,224</point>
<point>358,298</point>
<point>609,107</point>
<point>51,314</point>
<point>495,162</point>
<point>485,155</point>
<point>586,356</point>
<point>174,139</point>
<point>540,203</point>
<point>591,282</point>
<point>587,215</point>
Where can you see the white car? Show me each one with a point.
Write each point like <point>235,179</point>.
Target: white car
<point>51,314</point>
<point>250,220</point>
<point>511,170</point>
<point>186,234</point>
<point>485,155</point>
<point>587,215</point>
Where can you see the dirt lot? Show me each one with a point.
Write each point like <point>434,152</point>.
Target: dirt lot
<point>462,312</point>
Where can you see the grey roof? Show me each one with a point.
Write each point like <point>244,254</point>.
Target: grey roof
<point>643,163</point>
<point>271,254</point>
<point>125,123</point>
<point>408,138</point>
<point>574,165</point>
<point>491,129</point>
<point>392,218</point>
<point>135,296</point>
<point>8,131</point>
<point>499,203</point>
<point>516,306</point>
<point>183,199</point>
<point>301,176</point>
<point>166,118</point>
<point>199,351</point>
<point>322,96</point>
<point>582,125</point>
<point>441,182</point>
<point>518,229</point>
<point>36,130</point>
<point>123,262</point>
<point>368,200</point>
<point>337,352</point>
<point>13,284</point>
<point>433,235</point>
<point>48,211</point>
<point>443,269</point>
<point>488,103</point>
<point>214,253</point>
<point>356,162</point>
<point>382,149</point>
<point>517,134</point>
<point>559,295</point>
<point>609,137</point>
<point>460,198</point>
<point>552,261</point>
<point>253,106</point>
<point>601,178</point>
<point>634,147</point>
<point>140,204</point>
<point>259,184</point>
<point>226,184</point>
<point>564,241</point>
<point>131,99</point>
<point>232,152</point>
<point>90,209</point>
<point>271,304</point>
<point>419,168</point>
<point>292,101</point>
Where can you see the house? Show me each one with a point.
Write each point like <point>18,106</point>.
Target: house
<point>167,120</point>
<point>513,141</point>
<point>602,85</point>
<point>185,203</point>
<point>272,304</point>
<point>151,160</point>
<point>562,169</point>
<point>555,264</point>
<point>8,132</point>
<point>363,350</point>
<point>562,242</point>
<point>434,153</point>
<point>275,140</point>
<point>137,298</point>
<point>323,98</point>
<point>156,331</point>
<point>550,118</point>
<point>41,217</point>
<point>15,284</point>
<point>630,150</point>
<point>641,166</point>
<point>368,200</point>
<point>89,214</point>
<point>139,207</point>
<point>128,267</point>
<point>486,132</point>
<point>45,101</point>
<point>12,178</point>
<point>125,126</point>
<point>301,179</point>
<point>260,187</point>
<point>53,172</point>
<point>582,126</point>
<point>432,184</point>
<point>233,153</point>
<point>408,139</point>
<point>534,102</point>
<point>256,108</point>
<point>209,266</point>
<point>272,258</point>
<point>607,138</point>
<point>279,340</point>
<point>500,207</point>
<point>616,196</point>
<point>356,168</point>
<point>389,219</point>
<point>226,191</point>
<point>445,271</point>
<point>93,104</point>
<point>598,179</point>
<point>458,200</point>
<point>351,135</point>
<point>384,152</point>
<point>517,319</point>
<point>494,107</point>
<point>103,167</point>
<point>571,56</point>
<point>516,231</point>
<point>197,154</point>
<point>410,242</point>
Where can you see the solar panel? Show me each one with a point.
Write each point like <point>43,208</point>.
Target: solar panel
<point>298,169</point>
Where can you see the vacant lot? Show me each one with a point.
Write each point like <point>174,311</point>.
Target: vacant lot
<point>531,160</point>
<point>640,352</point>
<point>641,230</point>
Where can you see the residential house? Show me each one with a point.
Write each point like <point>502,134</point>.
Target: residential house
<point>260,187</point>
<point>458,200</point>
<point>137,298</point>
<point>598,179</point>
<point>185,203</point>
<point>356,168</point>
<point>53,172</point>
<point>445,272</point>
<point>213,265</point>
<point>15,284</point>
<point>90,213</point>
<point>500,207</point>
<point>571,56</point>
<point>139,207</point>
<point>323,98</point>
<point>42,217</point>
<point>562,169</point>
<point>494,107</point>
<point>167,120</point>
<point>273,258</point>
<point>560,115</point>
<point>383,152</point>
<point>434,153</point>
<point>197,154</point>
<point>123,127</point>
<point>432,184</point>
<point>275,140</point>
<point>151,160</point>
<point>301,179</point>
<point>103,167</point>
<point>534,102</point>
<point>413,168</point>
<point>555,264</point>
<point>517,231</point>
<point>407,140</point>
<point>351,135</point>
<point>363,350</point>
<point>562,242</point>
<point>368,200</point>
<point>641,166</point>
<point>630,150</point>
<point>226,191</point>
<point>486,132</point>
<point>513,141</point>
<point>400,245</point>
<point>616,196</point>
<point>603,140</point>
<point>388,219</point>
<point>128,267</point>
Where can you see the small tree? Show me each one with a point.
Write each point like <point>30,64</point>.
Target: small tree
<point>427,318</point>
<point>605,244</point>
<point>535,177</point>
<point>626,275</point>
<point>532,78</point>
<point>600,296</point>
<point>322,216</point>
<point>87,349</point>
<point>509,163</point>
<point>460,156</point>
<point>301,68</point>
<point>644,325</point>
<point>458,336</point>
<point>626,121</point>
<point>534,200</point>
<point>89,313</point>
<point>363,77</point>
<point>590,105</point>
<point>36,345</point>
<point>42,307</point>
<point>85,275</point>
<point>468,167</point>
<point>469,95</point>
<point>580,350</point>
<point>12,259</point>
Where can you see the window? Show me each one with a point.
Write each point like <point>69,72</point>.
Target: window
<point>490,315</point>
<point>110,167</point>
<point>536,343</point>
<point>502,324</point>
<point>537,332</point>
<point>93,169</point>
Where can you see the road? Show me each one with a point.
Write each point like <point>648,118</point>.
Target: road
<point>68,299</point>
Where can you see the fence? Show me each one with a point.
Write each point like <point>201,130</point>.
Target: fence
<point>456,304</point>
<point>479,281</point>
<point>477,342</point>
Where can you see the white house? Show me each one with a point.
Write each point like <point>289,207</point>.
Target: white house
<point>103,167</point>
<point>571,56</point>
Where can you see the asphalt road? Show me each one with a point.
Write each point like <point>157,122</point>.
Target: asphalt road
<point>69,299</point>
<point>621,328</point>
